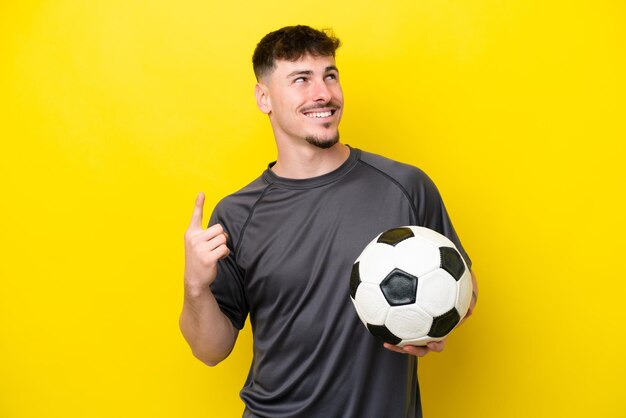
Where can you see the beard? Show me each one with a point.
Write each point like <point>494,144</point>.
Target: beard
<point>323,143</point>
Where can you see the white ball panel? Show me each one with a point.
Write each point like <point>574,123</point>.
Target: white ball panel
<point>376,261</point>
<point>358,311</point>
<point>434,237</point>
<point>437,292</point>
<point>418,341</point>
<point>464,297</point>
<point>417,256</point>
<point>371,304</point>
<point>408,321</point>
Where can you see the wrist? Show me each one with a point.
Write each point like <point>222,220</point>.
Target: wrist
<point>197,290</point>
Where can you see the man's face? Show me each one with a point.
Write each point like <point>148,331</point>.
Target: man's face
<point>304,100</point>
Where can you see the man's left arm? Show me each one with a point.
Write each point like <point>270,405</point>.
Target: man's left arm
<point>436,346</point>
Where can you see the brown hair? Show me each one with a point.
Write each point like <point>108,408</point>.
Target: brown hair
<point>291,43</point>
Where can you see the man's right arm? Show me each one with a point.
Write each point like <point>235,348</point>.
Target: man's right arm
<point>209,333</point>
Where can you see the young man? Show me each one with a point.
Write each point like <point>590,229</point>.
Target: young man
<point>282,248</point>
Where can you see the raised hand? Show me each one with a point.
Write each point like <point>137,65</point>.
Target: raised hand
<point>203,249</point>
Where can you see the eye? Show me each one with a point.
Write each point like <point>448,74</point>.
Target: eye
<point>299,80</point>
<point>331,77</point>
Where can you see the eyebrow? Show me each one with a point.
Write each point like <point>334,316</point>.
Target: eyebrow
<point>299,72</point>
<point>310,72</point>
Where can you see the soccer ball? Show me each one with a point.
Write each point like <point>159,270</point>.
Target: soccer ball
<point>411,286</point>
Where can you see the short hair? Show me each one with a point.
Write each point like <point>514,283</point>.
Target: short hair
<point>291,43</point>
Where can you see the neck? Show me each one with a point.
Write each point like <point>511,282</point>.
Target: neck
<point>306,161</point>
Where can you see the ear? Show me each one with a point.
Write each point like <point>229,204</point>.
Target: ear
<point>261,92</point>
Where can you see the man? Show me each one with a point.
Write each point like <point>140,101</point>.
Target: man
<point>282,248</point>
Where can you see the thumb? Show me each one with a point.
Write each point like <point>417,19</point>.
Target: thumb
<point>196,216</point>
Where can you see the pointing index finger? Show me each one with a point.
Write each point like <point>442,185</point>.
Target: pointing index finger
<point>196,216</point>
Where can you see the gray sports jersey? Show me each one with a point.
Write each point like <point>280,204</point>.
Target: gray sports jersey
<point>294,243</point>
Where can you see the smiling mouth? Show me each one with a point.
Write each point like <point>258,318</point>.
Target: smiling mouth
<point>319,115</point>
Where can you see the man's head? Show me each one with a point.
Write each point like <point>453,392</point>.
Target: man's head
<point>290,44</point>
<point>298,85</point>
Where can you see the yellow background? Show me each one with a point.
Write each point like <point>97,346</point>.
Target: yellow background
<point>114,114</point>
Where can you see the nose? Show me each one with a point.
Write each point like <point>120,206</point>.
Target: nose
<point>321,93</point>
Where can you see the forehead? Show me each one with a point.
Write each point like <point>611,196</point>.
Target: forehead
<point>314,63</point>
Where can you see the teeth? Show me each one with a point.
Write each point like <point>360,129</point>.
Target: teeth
<point>319,114</point>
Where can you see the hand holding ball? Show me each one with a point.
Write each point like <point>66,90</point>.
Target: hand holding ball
<point>410,286</point>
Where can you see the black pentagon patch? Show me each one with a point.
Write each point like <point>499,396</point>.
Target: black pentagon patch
<point>451,262</point>
<point>442,325</point>
<point>383,333</point>
<point>399,288</point>
<point>395,236</point>
<point>355,279</point>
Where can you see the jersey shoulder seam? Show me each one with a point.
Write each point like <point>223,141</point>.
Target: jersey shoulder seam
<point>398,185</point>
<point>249,218</point>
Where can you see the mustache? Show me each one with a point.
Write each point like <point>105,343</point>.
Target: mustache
<point>330,105</point>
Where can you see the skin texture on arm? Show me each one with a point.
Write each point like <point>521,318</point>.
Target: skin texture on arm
<point>436,346</point>
<point>209,333</point>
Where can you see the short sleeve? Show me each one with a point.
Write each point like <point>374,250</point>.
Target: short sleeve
<point>432,214</point>
<point>228,287</point>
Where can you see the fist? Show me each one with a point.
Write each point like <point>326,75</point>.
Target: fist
<point>203,249</point>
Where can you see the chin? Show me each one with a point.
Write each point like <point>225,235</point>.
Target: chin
<point>323,143</point>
